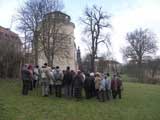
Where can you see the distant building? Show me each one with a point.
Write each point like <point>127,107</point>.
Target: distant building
<point>7,34</point>
<point>107,66</point>
<point>10,53</point>
<point>79,60</point>
<point>66,52</point>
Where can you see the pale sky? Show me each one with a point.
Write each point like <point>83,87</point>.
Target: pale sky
<point>127,15</point>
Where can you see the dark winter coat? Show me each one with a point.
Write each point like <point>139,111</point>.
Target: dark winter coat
<point>78,81</point>
<point>68,78</point>
<point>88,83</point>
<point>26,75</point>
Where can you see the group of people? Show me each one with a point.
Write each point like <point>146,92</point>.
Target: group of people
<point>70,83</point>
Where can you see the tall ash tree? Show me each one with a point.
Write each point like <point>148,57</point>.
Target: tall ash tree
<point>30,17</point>
<point>96,22</point>
<point>142,42</point>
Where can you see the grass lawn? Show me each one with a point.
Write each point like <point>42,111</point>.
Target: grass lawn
<point>139,102</point>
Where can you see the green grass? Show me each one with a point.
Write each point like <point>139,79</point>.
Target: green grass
<point>128,78</point>
<point>139,102</point>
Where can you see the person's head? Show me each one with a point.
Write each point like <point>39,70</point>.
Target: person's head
<point>57,67</point>
<point>53,68</point>
<point>45,64</point>
<point>108,75</point>
<point>92,74</point>
<point>30,67</point>
<point>37,66</point>
<point>68,68</point>
<point>97,74</point>
<point>64,71</point>
<point>105,77</point>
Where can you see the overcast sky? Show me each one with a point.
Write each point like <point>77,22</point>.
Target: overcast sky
<point>127,15</point>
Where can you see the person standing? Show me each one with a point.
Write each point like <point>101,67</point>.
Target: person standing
<point>67,79</point>
<point>72,87</point>
<point>36,75</point>
<point>119,87</point>
<point>114,86</point>
<point>87,86</point>
<point>26,78</point>
<point>78,84</point>
<point>58,77</point>
<point>30,69</point>
<point>108,87</point>
<point>45,80</point>
<point>97,83</point>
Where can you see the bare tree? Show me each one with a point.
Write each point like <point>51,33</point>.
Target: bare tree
<point>31,15</point>
<point>141,43</point>
<point>96,22</point>
<point>86,63</point>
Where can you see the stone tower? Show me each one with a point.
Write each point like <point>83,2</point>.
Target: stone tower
<point>79,61</point>
<point>65,54</point>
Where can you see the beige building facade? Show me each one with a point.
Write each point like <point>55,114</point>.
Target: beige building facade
<point>65,47</point>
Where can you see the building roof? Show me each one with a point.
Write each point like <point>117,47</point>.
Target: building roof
<point>7,31</point>
<point>7,34</point>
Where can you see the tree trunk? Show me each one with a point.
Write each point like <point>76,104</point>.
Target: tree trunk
<point>36,48</point>
<point>92,63</point>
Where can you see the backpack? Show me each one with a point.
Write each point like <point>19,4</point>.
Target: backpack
<point>57,75</point>
<point>43,74</point>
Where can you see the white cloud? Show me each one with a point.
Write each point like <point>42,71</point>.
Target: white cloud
<point>127,16</point>
<point>145,16</point>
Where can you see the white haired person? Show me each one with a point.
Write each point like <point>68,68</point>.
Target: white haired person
<point>108,87</point>
<point>92,78</point>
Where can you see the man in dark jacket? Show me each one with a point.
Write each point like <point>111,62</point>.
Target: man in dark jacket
<point>67,79</point>
<point>87,86</point>
<point>116,86</point>
<point>26,78</point>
